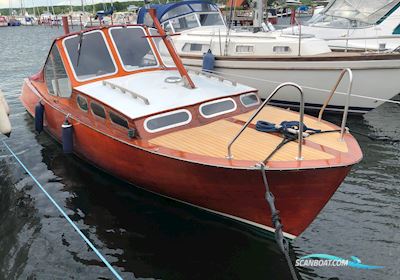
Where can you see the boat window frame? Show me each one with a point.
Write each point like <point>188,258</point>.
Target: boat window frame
<point>87,103</point>
<point>109,51</point>
<point>185,15</point>
<point>218,113</point>
<point>168,21</point>
<point>119,116</point>
<point>250,46</point>
<point>211,12</point>
<point>247,94</point>
<point>190,44</point>
<point>94,114</point>
<point>155,51</point>
<point>56,94</point>
<point>168,126</point>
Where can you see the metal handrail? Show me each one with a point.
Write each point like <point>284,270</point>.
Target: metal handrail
<point>125,90</point>
<point>299,25</point>
<point>300,139</point>
<point>346,108</point>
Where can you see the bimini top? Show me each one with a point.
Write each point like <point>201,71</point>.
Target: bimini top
<point>172,10</point>
<point>368,11</point>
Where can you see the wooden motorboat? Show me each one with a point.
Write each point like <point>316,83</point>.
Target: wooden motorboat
<point>108,94</point>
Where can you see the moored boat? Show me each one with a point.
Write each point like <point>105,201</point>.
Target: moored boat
<point>113,99</point>
<point>266,59</point>
<point>3,21</point>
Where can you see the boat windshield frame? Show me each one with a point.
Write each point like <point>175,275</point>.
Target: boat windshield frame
<point>319,22</point>
<point>71,65</point>
<point>197,16</point>
<point>152,47</point>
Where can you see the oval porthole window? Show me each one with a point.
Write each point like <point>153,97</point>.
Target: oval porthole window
<point>98,110</point>
<point>249,99</point>
<point>115,118</point>
<point>82,103</point>
<point>218,107</point>
<point>168,120</point>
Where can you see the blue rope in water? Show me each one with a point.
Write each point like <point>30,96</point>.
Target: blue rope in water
<point>65,215</point>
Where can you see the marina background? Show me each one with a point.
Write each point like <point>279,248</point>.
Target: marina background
<point>146,236</point>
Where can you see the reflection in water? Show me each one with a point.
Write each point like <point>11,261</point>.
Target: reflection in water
<point>147,236</point>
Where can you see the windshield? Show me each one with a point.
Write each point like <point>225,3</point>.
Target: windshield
<point>210,19</point>
<point>162,49</point>
<point>133,47</point>
<point>323,20</point>
<point>368,11</point>
<point>89,55</point>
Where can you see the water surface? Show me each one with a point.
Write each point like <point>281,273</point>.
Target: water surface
<point>145,236</point>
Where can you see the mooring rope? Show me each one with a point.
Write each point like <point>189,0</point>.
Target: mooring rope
<point>283,244</point>
<point>88,242</point>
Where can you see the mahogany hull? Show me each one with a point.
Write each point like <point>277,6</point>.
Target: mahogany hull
<point>236,193</point>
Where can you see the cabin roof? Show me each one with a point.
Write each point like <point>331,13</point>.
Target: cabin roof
<point>161,95</point>
<point>162,9</point>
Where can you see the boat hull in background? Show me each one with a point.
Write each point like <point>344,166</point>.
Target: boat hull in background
<point>375,77</point>
<point>236,193</point>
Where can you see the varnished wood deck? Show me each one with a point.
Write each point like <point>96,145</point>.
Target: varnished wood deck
<point>212,139</point>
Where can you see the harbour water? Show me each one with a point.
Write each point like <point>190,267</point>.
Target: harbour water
<point>148,237</point>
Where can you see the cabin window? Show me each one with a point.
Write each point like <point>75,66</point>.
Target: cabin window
<point>218,107</point>
<point>167,27</point>
<point>82,103</point>
<point>192,47</point>
<point>281,49</point>
<point>118,120</point>
<point>56,77</point>
<point>396,31</point>
<point>210,19</point>
<point>89,55</point>
<point>167,120</point>
<point>244,49</point>
<point>179,10</point>
<point>203,7</point>
<point>184,23</point>
<point>98,110</point>
<point>162,49</point>
<point>133,48</point>
<point>249,99</point>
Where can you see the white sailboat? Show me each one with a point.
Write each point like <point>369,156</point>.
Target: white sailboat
<point>265,59</point>
<point>356,24</point>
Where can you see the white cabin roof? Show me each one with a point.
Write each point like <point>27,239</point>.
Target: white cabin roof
<point>160,94</point>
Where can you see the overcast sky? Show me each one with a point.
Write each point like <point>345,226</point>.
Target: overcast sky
<point>30,3</point>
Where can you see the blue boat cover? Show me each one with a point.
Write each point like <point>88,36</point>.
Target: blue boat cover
<point>162,9</point>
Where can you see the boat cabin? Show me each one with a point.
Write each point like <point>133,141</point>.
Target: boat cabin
<point>121,79</point>
<point>185,15</point>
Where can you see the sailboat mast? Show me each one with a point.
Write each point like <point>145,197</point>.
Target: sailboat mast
<point>258,13</point>
<point>83,6</point>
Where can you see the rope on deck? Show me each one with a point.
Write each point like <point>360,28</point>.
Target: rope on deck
<point>88,242</point>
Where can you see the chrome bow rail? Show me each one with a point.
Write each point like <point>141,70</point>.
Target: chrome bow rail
<point>300,132</point>
<point>346,107</point>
